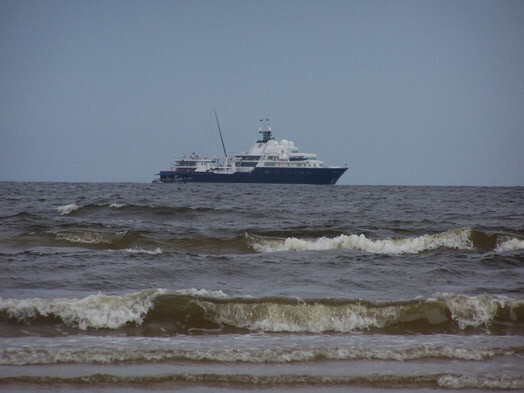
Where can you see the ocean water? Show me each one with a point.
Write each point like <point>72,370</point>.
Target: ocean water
<point>228,287</point>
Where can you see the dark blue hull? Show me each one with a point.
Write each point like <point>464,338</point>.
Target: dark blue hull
<point>260,175</point>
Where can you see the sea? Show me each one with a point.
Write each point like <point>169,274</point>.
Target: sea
<point>245,287</point>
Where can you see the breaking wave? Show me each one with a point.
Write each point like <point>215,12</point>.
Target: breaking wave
<point>91,312</point>
<point>131,241</point>
<point>214,311</point>
<point>136,251</point>
<point>510,245</point>
<point>92,237</point>
<point>134,209</point>
<point>63,210</point>
<point>465,239</point>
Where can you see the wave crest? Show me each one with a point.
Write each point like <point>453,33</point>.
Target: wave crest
<point>95,311</point>
<point>134,209</point>
<point>137,251</point>
<point>465,239</point>
<point>203,310</point>
<point>346,316</point>
<point>66,209</point>
<point>511,244</point>
<point>475,311</point>
<point>91,237</point>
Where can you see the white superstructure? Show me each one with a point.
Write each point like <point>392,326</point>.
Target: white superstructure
<point>266,152</point>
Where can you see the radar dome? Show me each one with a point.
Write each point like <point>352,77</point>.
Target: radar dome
<point>284,142</point>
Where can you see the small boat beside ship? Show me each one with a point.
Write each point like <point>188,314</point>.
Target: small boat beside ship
<point>268,161</point>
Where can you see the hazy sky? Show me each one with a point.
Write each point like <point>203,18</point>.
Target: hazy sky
<point>404,92</point>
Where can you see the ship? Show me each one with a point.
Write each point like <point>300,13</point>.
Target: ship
<point>268,161</point>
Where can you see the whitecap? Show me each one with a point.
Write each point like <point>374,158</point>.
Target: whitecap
<point>66,209</point>
<point>94,311</point>
<point>480,310</point>
<point>90,237</point>
<point>311,318</point>
<point>219,294</point>
<point>512,244</point>
<point>156,251</point>
<point>456,239</point>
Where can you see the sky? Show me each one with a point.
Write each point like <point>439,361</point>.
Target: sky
<point>403,92</point>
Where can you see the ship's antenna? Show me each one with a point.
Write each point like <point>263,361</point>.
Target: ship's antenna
<point>220,132</point>
<point>266,134</point>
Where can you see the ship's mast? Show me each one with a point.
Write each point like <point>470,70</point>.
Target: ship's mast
<point>266,134</point>
<point>220,132</point>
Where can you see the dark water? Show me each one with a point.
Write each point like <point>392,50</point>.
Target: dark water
<point>204,287</point>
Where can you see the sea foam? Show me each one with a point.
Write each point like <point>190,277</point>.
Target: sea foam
<point>136,251</point>
<point>281,381</point>
<point>510,245</point>
<point>95,311</point>
<point>503,382</point>
<point>90,237</point>
<point>191,307</point>
<point>455,239</point>
<point>481,310</point>
<point>347,316</point>
<point>311,318</point>
<point>63,210</point>
<point>292,315</point>
<point>28,355</point>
